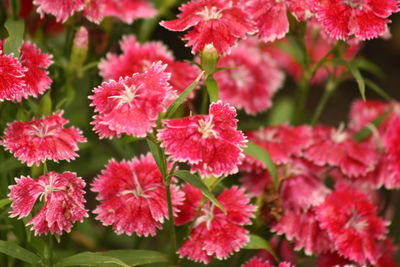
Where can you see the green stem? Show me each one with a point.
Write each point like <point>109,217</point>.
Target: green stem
<point>330,87</point>
<point>15,6</point>
<point>302,96</point>
<point>48,251</point>
<point>204,101</point>
<point>172,231</point>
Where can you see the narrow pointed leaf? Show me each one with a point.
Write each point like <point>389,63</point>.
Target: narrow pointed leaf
<point>355,72</point>
<point>257,242</point>
<point>158,157</point>
<point>91,259</point>
<point>371,67</point>
<point>181,98</point>
<point>262,155</point>
<point>13,250</point>
<point>137,257</point>
<point>377,89</point>
<point>199,184</point>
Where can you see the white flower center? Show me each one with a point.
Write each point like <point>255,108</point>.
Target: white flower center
<point>339,135</point>
<point>210,13</point>
<point>49,188</point>
<point>206,128</point>
<point>41,130</point>
<point>354,3</point>
<point>208,215</point>
<point>138,191</point>
<point>128,95</point>
<point>356,223</point>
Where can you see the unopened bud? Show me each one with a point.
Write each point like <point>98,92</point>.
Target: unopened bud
<point>79,50</point>
<point>209,59</point>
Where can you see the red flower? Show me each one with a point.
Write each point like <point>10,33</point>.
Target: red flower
<point>336,147</point>
<point>12,83</point>
<point>352,224</point>
<point>129,10</point>
<point>38,140</point>
<point>217,234</point>
<point>257,262</point>
<point>132,104</point>
<point>63,201</point>
<point>246,78</point>
<point>211,143</point>
<point>365,19</point>
<point>133,196</point>
<point>137,57</point>
<point>214,22</point>
<point>364,112</point>
<point>61,9</point>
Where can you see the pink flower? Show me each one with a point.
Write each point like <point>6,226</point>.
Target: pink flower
<point>37,78</point>
<point>62,194</point>
<point>365,19</point>
<point>257,262</point>
<point>131,105</point>
<point>211,143</point>
<point>217,234</point>
<point>282,142</point>
<point>246,78</point>
<point>271,18</point>
<point>12,83</point>
<point>304,230</point>
<point>364,112</point>
<point>137,57</point>
<point>351,221</point>
<point>133,196</point>
<point>129,10</point>
<point>38,140</point>
<point>335,147</point>
<point>214,22</point>
<point>61,9</point>
<point>189,207</point>
<point>255,181</point>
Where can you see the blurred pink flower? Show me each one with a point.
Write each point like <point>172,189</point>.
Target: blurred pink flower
<point>63,201</point>
<point>216,234</point>
<point>132,196</point>
<point>38,140</point>
<point>132,104</point>
<point>211,143</point>
<point>257,262</point>
<point>214,22</point>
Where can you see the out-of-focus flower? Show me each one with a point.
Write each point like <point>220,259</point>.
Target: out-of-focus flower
<point>211,143</point>
<point>129,10</point>
<point>61,9</point>
<point>335,147</point>
<point>26,76</point>
<point>63,201</point>
<point>257,262</point>
<point>131,105</point>
<point>352,223</point>
<point>365,19</point>
<point>216,234</point>
<point>246,78</point>
<point>133,196</point>
<point>214,22</point>
<point>137,57</point>
<point>38,140</point>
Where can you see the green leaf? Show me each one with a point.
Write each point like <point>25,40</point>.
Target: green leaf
<point>356,75</point>
<point>159,157</point>
<point>124,258</point>
<point>257,242</point>
<point>4,202</point>
<point>377,89</point>
<point>199,184</point>
<point>15,30</point>
<point>371,67</point>
<point>362,134</point>
<point>212,88</point>
<point>13,250</point>
<point>262,155</point>
<point>282,111</point>
<point>45,105</point>
<point>181,98</point>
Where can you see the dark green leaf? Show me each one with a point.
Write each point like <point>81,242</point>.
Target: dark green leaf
<point>212,89</point>
<point>114,258</point>
<point>15,30</point>
<point>13,250</point>
<point>356,75</point>
<point>199,184</point>
<point>158,156</point>
<point>175,105</point>
<point>257,242</point>
<point>262,155</point>
<point>369,66</point>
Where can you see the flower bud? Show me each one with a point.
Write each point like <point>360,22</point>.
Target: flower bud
<point>209,59</point>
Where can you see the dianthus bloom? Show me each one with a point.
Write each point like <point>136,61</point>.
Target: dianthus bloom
<point>131,105</point>
<point>133,196</point>
<point>257,262</point>
<point>26,76</point>
<point>335,147</point>
<point>246,78</point>
<point>215,233</point>
<point>137,57</point>
<point>38,140</point>
<point>211,143</point>
<point>352,223</point>
<point>365,19</point>
<point>63,201</point>
<point>129,10</point>
<point>214,22</point>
